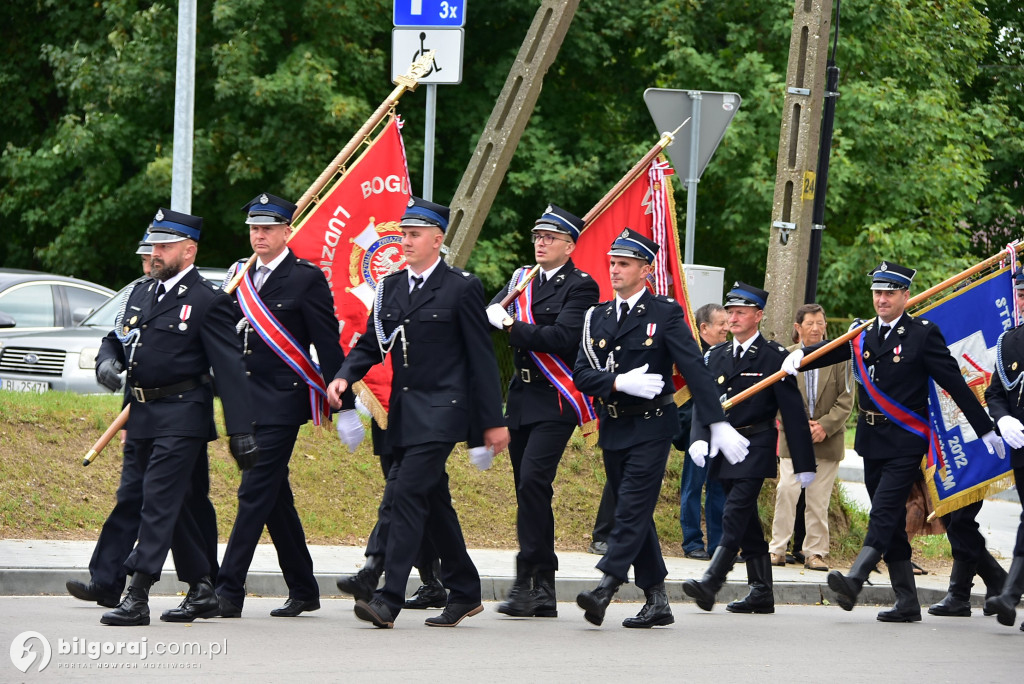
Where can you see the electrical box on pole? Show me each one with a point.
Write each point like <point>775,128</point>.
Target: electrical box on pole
<point>792,207</point>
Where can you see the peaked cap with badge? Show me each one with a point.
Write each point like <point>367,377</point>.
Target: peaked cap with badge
<point>174,226</point>
<point>268,210</point>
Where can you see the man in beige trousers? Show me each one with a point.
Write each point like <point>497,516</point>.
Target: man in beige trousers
<point>829,401</point>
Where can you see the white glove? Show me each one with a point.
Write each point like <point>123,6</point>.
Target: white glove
<point>699,452</point>
<point>482,457</point>
<point>639,383</point>
<point>350,429</point>
<point>805,479</point>
<point>361,408</point>
<point>495,315</point>
<point>994,443</point>
<point>791,364</point>
<point>730,443</point>
<point>1012,431</point>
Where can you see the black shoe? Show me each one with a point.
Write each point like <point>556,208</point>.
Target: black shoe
<point>293,607</point>
<point>375,611</point>
<point>993,575</point>
<point>697,554</point>
<point>598,548</point>
<point>91,592</point>
<point>227,609</point>
<point>519,602</point>
<point>134,609</point>
<point>847,587</point>
<point>363,583</point>
<point>704,590</point>
<point>957,602</point>
<point>1004,605</point>
<point>761,597</point>
<point>430,595</point>
<point>543,596</point>
<point>655,613</point>
<point>595,603</point>
<point>200,602</point>
<point>908,607</point>
<point>453,614</point>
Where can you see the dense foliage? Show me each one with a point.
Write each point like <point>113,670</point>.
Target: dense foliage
<point>926,163</point>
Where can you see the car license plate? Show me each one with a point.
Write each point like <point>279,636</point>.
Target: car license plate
<point>24,386</point>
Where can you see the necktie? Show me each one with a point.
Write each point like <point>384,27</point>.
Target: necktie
<point>543,279</point>
<point>160,292</point>
<point>417,284</point>
<point>623,312</point>
<point>738,352</point>
<point>261,276</point>
<point>883,330</point>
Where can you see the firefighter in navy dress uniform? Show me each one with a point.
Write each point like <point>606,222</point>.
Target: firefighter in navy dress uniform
<point>1005,403</point>
<point>895,356</point>
<point>736,366</point>
<point>176,326</point>
<point>542,417</point>
<point>627,351</point>
<point>445,389</point>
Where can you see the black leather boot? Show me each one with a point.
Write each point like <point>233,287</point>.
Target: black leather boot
<point>957,602</point>
<point>431,593</point>
<point>992,574</point>
<point>847,587</point>
<point>519,602</point>
<point>200,602</point>
<point>363,583</point>
<point>544,601</point>
<point>703,591</point>
<point>655,613</point>
<point>134,608</point>
<point>908,607</point>
<point>108,598</point>
<point>761,598</point>
<point>595,603</point>
<point>1004,606</point>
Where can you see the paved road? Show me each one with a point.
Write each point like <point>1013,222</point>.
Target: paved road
<point>811,643</point>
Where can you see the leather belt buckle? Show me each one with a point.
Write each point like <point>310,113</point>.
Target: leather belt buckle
<point>139,394</point>
<point>612,411</point>
<point>524,375</point>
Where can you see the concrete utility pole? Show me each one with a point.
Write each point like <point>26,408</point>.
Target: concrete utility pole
<point>792,207</point>
<point>479,185</point>
<point>184,105</point>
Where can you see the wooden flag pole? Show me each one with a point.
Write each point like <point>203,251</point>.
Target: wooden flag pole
<point>917,299</point>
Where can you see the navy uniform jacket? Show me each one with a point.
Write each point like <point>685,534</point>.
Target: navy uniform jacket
<point>1002,402</point>
<point>922,354</point>
<point>446,379</point>
<point>558,308</point>
<point>166,355</point>
<point>297,294</point>
<point>757,414</point>
<point>671,343</point>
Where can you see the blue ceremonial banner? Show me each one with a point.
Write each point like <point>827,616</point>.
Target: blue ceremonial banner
<point>958,469</point>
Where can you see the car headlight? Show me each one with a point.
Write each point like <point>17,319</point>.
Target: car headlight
<point>87,357</point>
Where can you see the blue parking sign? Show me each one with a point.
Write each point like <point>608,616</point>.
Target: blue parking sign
<point>448,13</point>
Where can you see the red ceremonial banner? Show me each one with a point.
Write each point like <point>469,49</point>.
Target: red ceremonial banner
<point>646,206</point>
<point>353,236</point>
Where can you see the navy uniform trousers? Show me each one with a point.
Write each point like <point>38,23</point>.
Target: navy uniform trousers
<point>1003,402</point>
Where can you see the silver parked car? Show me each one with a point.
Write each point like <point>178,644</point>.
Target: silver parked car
<point>65,359</point>
<point>31,301</point>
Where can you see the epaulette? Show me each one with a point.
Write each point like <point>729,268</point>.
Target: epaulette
<point>664,299</point>
<point>306,262</point>
<point>774,344</point>
<point>716,346</point>
<point>581,274</point>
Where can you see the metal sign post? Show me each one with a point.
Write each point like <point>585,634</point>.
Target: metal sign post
<point>710,113</point>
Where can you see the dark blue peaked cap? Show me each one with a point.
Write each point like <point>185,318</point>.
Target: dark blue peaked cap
<point>269,209</point>
<point>559,220</point>
<point>742,294</point>
<point>891,276</point>
<point>1018,279</point>
<point>173,226</point>
<point>632,244</point>
<point>421,212</point>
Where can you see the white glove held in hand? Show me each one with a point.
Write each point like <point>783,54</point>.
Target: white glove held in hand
<point>791,363</point>
<point>495,315</point>
<point>361,408</point>
<point>699,452</point>
<point>1012,431</point>
<point>730,443</point>
<point>350,429</point>
<point>639,383</point>
<point>482,457</point>
<point>805,479</point>
<point>995,443</point>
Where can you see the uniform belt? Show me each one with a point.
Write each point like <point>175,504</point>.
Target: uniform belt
<point>143,395</point>
<point>873,418</point>
<point>616,411</point>
<point>528,376</point>
<point>755,428</point>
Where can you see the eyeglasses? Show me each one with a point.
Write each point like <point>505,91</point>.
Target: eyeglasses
<point>540,238</point>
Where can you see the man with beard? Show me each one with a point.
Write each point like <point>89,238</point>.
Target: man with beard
<point>176,326</point>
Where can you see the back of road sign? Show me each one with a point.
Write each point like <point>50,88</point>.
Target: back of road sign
<point>670,107</point>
